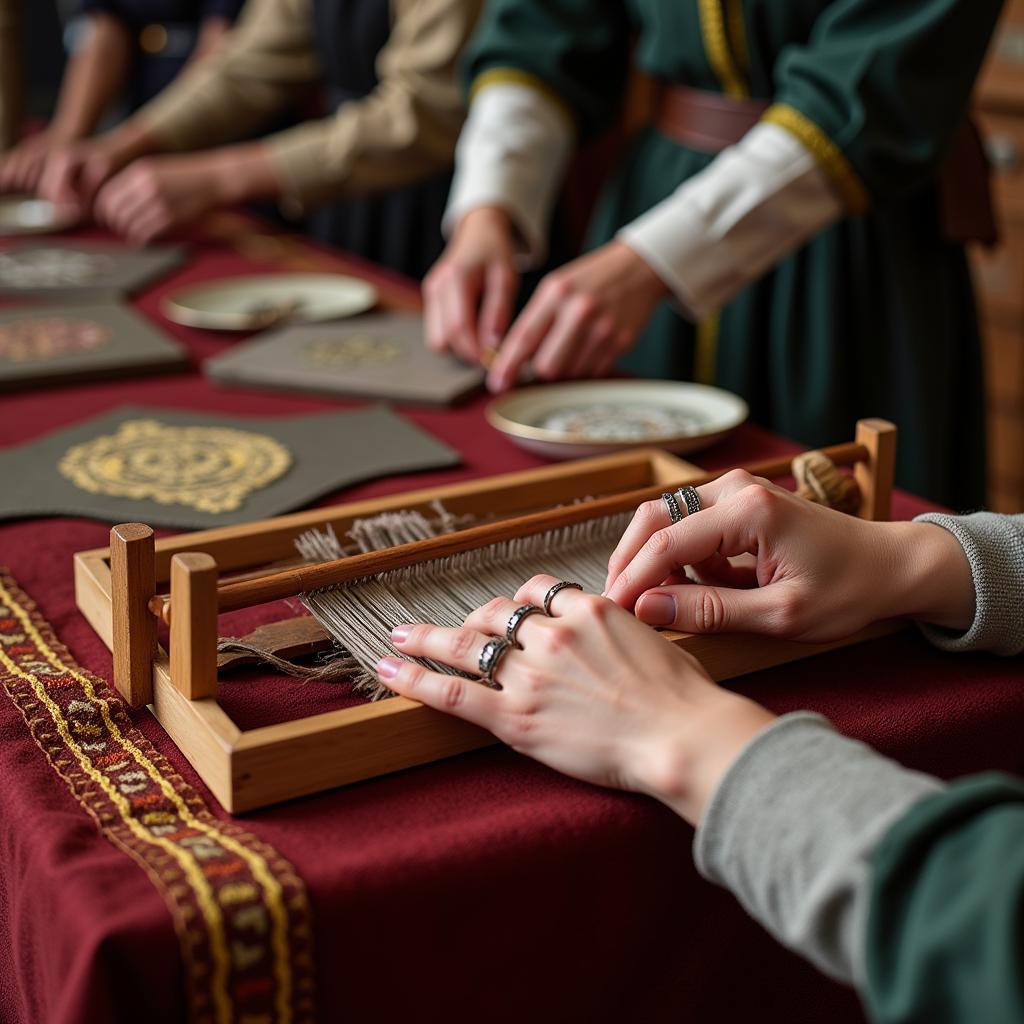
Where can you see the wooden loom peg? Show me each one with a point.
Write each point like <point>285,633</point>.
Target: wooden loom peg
<point>194,624</point>
<point>132,579</point>
<point>875,476</point>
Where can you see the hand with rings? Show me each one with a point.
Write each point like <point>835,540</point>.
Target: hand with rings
<point>813,574</point>
<point>586,689</point>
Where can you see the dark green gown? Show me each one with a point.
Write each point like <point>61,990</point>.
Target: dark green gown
<point>875,316</point>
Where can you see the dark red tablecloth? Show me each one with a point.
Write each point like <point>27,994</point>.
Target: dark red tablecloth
<point>485,887</point>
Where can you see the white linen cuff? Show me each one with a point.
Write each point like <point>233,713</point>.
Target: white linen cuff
<point>753,204</point>
<point>513,151</point>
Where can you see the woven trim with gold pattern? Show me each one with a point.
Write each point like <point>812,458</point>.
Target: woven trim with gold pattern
<point>725,44</point>
<point>240,911</point>
<point>829,156</point>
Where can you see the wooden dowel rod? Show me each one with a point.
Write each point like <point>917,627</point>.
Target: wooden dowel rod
<point>289,582</point>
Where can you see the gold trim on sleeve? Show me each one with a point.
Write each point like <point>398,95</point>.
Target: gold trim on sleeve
<point>717,46</point>
<point>829,156</point>
<point>517,76</point>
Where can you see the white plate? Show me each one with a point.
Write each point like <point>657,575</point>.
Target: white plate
<point>567,421</point>
<point>24,215</point>
<point>249,303</point>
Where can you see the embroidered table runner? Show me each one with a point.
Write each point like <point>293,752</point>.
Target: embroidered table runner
<point>240,911</point>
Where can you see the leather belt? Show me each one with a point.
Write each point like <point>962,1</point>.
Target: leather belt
<point>709,122</point>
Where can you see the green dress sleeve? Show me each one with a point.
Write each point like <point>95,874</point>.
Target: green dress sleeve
<point>880,87</point>
<point>945,943</point>
<point>574,50</point>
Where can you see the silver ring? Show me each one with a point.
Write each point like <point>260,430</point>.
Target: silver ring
<point>490,655</point>
<point>689,497</point>
<point>554,590</point>
<point>516,621</point>
<point>674,511</point>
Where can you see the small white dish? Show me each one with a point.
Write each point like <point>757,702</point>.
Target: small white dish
<point>26,215</point>
<point>258,301</point>
<point>568,421</point>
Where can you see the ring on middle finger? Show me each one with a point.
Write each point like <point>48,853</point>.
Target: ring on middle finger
<point>516,620</point>
<point>490,656</point>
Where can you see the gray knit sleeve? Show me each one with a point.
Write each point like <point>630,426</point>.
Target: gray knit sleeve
<point>791,830</point>
<point>994,546</point>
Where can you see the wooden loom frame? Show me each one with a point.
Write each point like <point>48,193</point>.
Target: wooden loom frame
<point>116,589</point>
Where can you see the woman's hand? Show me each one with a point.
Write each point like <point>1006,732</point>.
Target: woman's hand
<point>582,317</point>
<point>22,168</point>
<point>592,693</point>
<point>158,194</point>
<point>74,173</point>
<point>470,293</point>
<point>820,575</point>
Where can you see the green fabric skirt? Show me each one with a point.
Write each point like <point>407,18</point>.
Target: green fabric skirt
<point>874,317</point>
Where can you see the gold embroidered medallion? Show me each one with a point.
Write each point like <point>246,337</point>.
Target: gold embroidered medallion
<point>212,469</point>
<point>354,351</point>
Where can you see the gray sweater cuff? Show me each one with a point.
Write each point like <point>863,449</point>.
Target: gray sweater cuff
<point>994,546</point>
<point>791,830</point>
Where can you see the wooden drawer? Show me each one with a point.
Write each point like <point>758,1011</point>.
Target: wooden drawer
<point>999,276</point>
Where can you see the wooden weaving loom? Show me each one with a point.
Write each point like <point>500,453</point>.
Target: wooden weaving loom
<point>122,591</point>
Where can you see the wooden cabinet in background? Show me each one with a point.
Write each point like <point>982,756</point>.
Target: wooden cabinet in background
<point>999,273</point>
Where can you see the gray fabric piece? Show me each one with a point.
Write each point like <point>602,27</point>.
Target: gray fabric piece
<point>791,830</point>
<point>994,545</point>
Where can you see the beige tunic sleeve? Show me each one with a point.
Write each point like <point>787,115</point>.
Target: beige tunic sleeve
<point>403,131</point>
<point>266,61</point>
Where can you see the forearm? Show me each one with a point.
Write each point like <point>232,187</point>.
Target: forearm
<point>754,204</point>
<point>240,174</point>
<point>512,154</point>
<point>989,549</point>
<point>95,74</point>
<point>791,830</point>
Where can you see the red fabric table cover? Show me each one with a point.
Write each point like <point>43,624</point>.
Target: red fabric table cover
<point>482,887</point>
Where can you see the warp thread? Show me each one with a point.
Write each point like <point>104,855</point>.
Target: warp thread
<point>360,614</point>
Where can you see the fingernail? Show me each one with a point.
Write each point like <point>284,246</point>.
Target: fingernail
<point>400,634</point>
<point>656,609</point>
<point>388,668</point>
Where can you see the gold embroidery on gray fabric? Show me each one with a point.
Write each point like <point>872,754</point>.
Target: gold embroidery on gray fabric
<point>212,469</point>
<point>353,351</point>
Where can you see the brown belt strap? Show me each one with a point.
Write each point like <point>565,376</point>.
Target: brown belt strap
<point>710,122</point>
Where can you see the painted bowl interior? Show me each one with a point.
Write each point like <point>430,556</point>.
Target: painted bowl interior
<point>563,421</point>
<point>241,303</point>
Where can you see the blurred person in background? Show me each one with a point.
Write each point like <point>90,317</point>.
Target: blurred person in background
<point>121,54</point>
<point>374,172</point>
